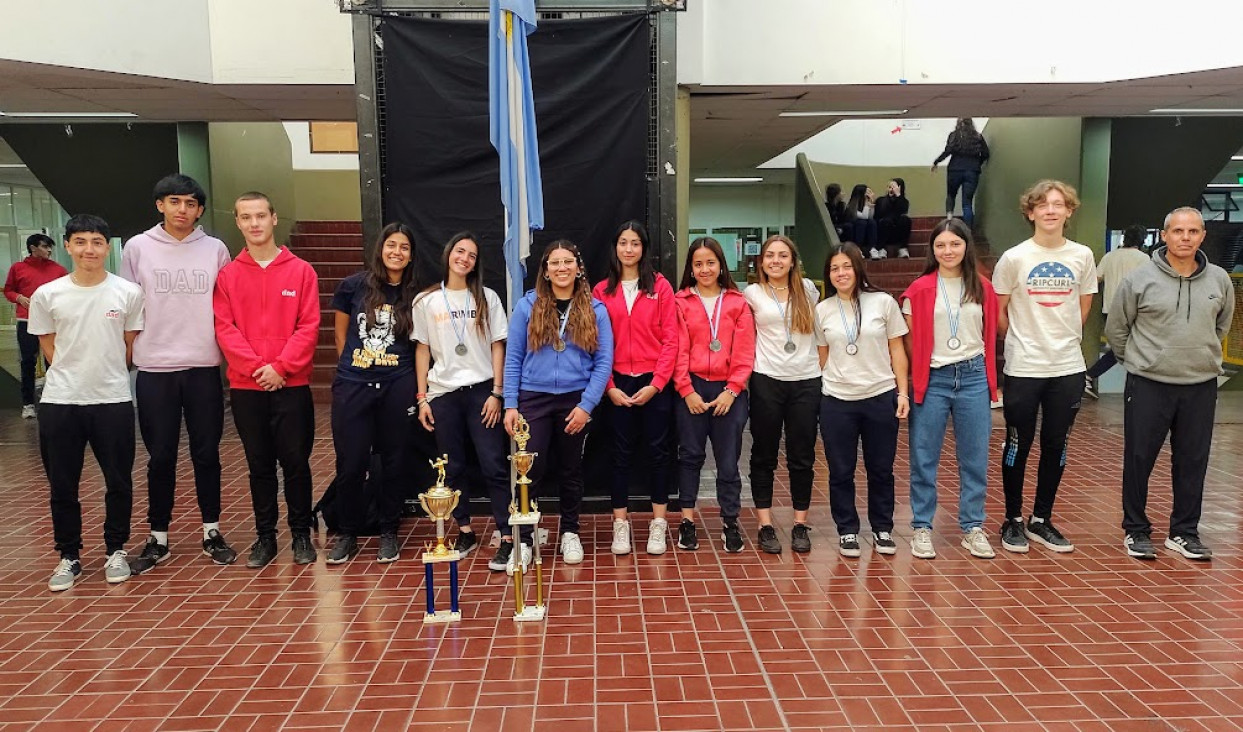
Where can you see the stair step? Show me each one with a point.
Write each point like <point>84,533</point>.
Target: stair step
<point>329,227</point>
<point>329,255</point>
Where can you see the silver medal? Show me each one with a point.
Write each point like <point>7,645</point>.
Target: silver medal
<point>558,345</point>
<point>714,346</point>
<point>851,349</point>
<point>790,347</point>
<point>460,350</point>
<point>954,343</point>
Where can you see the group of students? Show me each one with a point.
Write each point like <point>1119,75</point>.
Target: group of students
<point>879,227</point>
<point>852,365</point>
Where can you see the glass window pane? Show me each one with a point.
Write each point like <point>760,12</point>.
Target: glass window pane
<point>23,210</point>
<point>6,206</point>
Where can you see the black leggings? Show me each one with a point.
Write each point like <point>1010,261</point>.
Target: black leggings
<point>794,405</point>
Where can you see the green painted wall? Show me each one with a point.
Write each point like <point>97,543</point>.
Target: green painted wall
<point>327,195</point>
<point>252,156</point>
<point>194,160</point>
<point>925,190</point>
<point>1090,219</point>
<point>1023,151</point>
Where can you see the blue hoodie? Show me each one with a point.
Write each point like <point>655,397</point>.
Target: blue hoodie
<point>551,372</point>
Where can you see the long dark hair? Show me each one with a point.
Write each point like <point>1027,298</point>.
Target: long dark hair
<point>973,291</point>
<point>722,276</point>
<point>858,199</point>
<point>377,278</point>
<point>964,140</point>
<point>647,273</point>
<point>474,278</point>
<point>801,316</point>
<point>542,330</point>
<point>851,251</point>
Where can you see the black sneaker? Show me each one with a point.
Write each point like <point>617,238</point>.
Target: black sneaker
<point>389,551</point>
<point>768,541</point>
<point>499,560</point>
<point>1013,538</point>
<point>217,548</point>
<point>883,542</point>
<point>262,552</point>
<point>848,545</point>
<point>1189,546</point>
<point>800,538</point>
<point>688,538</point>
<point>1139,545</point>
<point>465,544</point>
<point>343,549</point>
<point>731,535</point>
<point>152,554</point>
<point>303,550</point>
<point>1089,387</point>
<point>1042,531</point>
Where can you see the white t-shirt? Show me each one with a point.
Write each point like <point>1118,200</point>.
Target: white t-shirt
<point>434,326</point>
<point>1115,266</point>
<point>630,290</point>
<point>870,371</point>
<point>90,325</point>
<point>771,332</point>
<point>1046,322</point>
<point>970,326</point>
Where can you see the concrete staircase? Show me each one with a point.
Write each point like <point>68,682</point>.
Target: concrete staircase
<point>335,250</point>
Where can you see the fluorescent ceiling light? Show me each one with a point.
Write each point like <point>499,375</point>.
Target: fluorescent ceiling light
<point>1196,111</point>
<point>1236,157</point>
<point>11,165</point>
<point>1224,185</point>
<point>67,115</point>
<point>848,113</point>
<point>729,180</point>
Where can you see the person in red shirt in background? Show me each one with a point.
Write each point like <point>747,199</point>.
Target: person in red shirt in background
<point>24,278</point>
<point>716,352</point>
<point>267,324</point>
<point>645,346</point>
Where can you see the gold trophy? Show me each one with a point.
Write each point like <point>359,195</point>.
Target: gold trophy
<point>523,512</point>
<point>439,502</point>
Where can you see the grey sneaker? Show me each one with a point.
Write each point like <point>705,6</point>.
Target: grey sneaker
<point>389,551</point>
<point>1189,546</point>
<point>1014,536</point>
<point>1042,531</point>
<point>343,550</point>
<point>116,569</point>
<point>657,536</point>
<point>65,575</point>
<point>921,544</point>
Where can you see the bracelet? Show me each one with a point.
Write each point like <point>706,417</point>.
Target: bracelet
<point>732,393</point>
<point>421,395</point>
<point>903,396</point>
<point>498,395</point>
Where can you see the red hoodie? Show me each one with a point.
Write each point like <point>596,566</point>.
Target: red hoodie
<point>645,340</point>
<point>923,296</point>
<point>26,276</point>
<point>267,316</point>
<point>736,331</point>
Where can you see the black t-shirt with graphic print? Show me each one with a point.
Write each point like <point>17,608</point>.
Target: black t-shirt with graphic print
<point>375,353</point>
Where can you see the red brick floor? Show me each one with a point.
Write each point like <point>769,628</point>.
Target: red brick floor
<point>687,641</point>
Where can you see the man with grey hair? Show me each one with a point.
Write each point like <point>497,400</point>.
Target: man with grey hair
<point>1166,325</point>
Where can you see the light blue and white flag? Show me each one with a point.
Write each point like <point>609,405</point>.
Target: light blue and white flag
<point>511,111</point>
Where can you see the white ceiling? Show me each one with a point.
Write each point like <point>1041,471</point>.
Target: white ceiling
<point>734,129</point>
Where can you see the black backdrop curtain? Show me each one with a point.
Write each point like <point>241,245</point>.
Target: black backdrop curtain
<point>590,80</point>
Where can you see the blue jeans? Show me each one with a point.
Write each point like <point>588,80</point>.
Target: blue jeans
<point>961,390</point>
<point>968,180</point>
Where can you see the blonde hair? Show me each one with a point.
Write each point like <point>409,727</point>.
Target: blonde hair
<point>800,306</point>
<point>1037,194</point>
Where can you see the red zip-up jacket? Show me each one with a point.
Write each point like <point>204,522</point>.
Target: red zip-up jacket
<point>267,316</point>
<point>923,296</point>
<point>736,331</point>
<point>645,340</point>
<point>27,276</point>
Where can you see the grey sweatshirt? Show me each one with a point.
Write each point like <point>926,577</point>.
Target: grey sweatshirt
<point>1168,328</point>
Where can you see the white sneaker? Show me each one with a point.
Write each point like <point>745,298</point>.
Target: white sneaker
<point>874,253</point>
<point>621,536</point>
<point>657,534</point>
<point>28,411</point>
<point>526,559</point>
<point>904,253</point>
<point>884,253</point>
<point>976,542</point>
<point>571,548</point>
<point>116,569</point>
<point>997,404</point>
<point>921,544</point>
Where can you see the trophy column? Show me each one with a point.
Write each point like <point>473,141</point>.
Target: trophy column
<point>439,502</point>
<point>523,512</point>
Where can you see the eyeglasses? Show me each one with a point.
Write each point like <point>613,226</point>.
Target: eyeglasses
<point>562,263</point>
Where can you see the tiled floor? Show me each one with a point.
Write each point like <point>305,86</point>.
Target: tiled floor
<point>686,641</point>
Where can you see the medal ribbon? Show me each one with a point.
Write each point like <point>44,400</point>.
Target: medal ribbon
<point>851,334</point>
<point>715,321</point>
<point>461,335</point>
<point>952,316</point>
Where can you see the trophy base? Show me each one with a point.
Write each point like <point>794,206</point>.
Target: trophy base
<point>530,612</point>
<point>531,518</point>
<point>441,617</point>
<point>433,558</point>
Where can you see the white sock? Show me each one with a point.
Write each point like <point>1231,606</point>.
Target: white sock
<point>208,528</point>
<point>1036,520</point>
<point>161,537</point>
